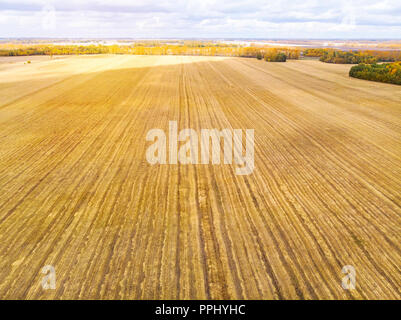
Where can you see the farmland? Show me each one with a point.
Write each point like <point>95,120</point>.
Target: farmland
<point>77,192</point>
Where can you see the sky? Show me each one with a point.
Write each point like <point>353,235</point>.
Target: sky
<point>278,19</point>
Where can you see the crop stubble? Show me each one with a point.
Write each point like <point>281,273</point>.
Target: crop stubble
<point>77,192</point>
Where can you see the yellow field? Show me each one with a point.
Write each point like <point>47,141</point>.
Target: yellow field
<point>77,192</point>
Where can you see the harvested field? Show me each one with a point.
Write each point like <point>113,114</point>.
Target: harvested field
<point>77,192</point>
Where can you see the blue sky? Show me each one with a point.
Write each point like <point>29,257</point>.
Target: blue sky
<point>341,19</point>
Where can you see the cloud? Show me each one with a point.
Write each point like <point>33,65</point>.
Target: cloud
<point>203,19</point>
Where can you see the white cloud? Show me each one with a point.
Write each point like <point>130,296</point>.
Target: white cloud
<point>203,18</point>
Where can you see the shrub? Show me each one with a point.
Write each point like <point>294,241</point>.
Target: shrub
<point>386,72</point>
<point>275,56</point>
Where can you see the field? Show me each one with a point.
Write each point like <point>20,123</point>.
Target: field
<point>77,192</point>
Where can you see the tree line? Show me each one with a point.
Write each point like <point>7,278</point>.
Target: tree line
<point>384,72</point>
<point>206,49</point>
<point>193,48</point>
<point>353,56</point>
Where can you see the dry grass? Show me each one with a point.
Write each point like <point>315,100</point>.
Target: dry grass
<point>77,192</point>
